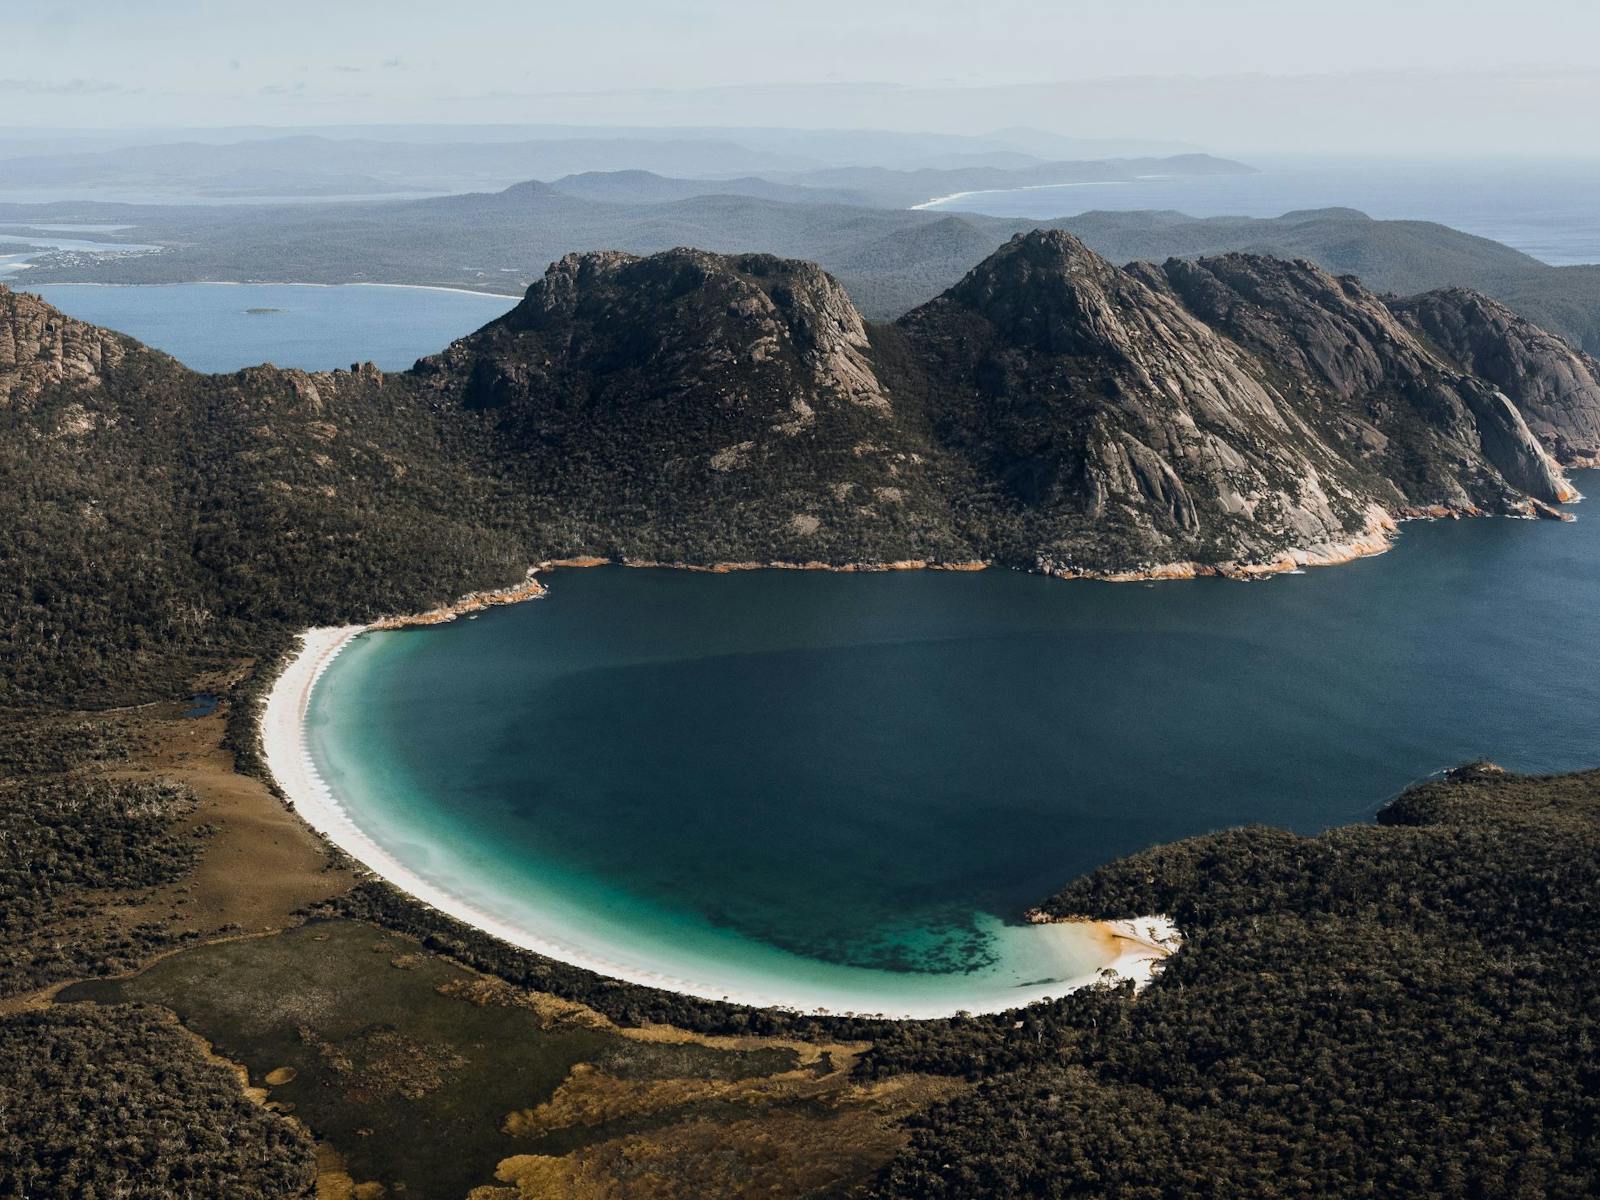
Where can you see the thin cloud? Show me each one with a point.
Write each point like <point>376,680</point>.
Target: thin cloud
<point>64,87</point>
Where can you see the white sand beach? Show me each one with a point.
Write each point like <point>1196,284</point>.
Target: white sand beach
<point>1098,951</point>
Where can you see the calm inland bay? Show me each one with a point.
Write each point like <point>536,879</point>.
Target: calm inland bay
<point>844,790</point>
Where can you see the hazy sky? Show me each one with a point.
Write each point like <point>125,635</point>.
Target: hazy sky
<point>1223,72</point>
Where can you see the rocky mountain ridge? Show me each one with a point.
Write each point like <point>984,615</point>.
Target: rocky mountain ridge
<point>1556,388</point>
<point>1374,391</point>
<point>1050,412</point>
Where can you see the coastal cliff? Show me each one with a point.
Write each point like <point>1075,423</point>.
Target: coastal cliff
<point>1555,387</point>
<point>1368,386</point>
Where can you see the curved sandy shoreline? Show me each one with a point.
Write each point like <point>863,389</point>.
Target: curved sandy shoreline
<point>1133,948</point>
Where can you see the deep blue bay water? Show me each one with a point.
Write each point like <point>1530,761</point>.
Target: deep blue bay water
<point>847,789</point>
<point>782,778</point>
<point>211,326</point>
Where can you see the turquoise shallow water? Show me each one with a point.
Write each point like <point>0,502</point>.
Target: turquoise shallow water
<point>858,783</point>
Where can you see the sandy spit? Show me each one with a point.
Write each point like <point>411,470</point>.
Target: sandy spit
<point>1030,187</point>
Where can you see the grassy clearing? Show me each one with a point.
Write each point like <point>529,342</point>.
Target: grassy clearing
<point>430,1080</point>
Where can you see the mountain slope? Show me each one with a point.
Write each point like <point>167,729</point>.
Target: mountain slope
<point>1284,415</point>
<point>41,348</point>
<point>153,519</point>
<point>1050,412</point>
<point>1557,388</point>
<point>695,407</point>
<point>1371,388</point>
<point>1114,424</point>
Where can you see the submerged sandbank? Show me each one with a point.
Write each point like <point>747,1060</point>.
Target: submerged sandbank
<point>1073,954</point>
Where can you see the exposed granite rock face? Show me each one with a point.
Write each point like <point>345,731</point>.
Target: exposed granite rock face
<point>1367,385</point>
<point>1051,411</point>
<point>754,327</point>
<point>700,384</point>
<point>1556,388</point>
<point>1121,430</point>
<point>40,348</point>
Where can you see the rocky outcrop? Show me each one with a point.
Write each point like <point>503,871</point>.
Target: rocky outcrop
<point>1370,388</point>
<point>735,392</point>
<point>754,327</point>
<point>1226,414</point>
<point>1052,411</point>
<point>41,348</point>
<point>1555,388</point>
<point>1123,430</point>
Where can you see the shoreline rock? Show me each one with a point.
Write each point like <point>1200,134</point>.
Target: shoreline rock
<point>529,589</point>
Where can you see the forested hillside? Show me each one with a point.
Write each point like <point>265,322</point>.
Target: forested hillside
<point>1392,1010</point>
<point>1399,1010</point>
